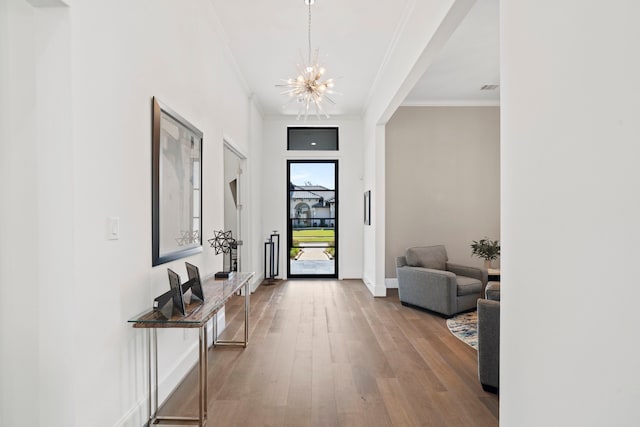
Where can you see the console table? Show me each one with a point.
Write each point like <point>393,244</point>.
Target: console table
<point>216,293</point>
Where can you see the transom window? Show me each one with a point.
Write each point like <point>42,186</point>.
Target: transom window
<point>312,138</point>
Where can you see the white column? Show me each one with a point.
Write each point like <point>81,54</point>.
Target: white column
<point>570,213</point>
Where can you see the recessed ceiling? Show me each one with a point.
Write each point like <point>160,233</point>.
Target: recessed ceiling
<point>268,40</point>
<point>469,60</point>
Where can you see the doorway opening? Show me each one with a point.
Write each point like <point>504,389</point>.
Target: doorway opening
<point>312,225</point>
<point>233,163</point>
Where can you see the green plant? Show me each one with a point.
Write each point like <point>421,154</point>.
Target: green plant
<point>486,248</point>
<point>294,252</point>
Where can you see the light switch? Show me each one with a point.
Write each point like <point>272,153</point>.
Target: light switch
<point>113,228</point>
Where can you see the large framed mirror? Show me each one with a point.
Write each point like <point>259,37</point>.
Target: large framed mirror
<point>176,186</point>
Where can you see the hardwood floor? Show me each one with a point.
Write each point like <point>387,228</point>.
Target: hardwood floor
<point>326,353</point>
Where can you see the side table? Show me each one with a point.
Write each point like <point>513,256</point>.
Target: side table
<point>494,274</point>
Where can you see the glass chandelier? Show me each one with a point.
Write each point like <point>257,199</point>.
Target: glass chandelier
<point>309,89</point>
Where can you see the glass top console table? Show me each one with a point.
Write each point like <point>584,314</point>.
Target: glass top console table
<point>216,294</point>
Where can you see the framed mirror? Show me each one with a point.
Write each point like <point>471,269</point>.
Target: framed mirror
<point>176,186</point>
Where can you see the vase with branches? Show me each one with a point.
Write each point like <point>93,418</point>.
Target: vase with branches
<point>486,249</point>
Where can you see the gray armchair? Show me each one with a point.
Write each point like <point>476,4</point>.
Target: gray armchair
<point>489,338</point>
<point>427,280</point>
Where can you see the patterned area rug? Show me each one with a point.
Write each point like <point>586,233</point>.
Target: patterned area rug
<point>465,327</point>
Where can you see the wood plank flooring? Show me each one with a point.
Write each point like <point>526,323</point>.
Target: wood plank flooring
<point>326,353</point>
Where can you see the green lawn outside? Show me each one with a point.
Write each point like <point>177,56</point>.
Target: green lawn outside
<point>316,235</point>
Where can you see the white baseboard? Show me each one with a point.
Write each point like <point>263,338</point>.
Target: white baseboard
<point>257,281</point>
<point>221,324</point>
<point>369,284</point>
<point>391,283</point>
<point>137,416</point>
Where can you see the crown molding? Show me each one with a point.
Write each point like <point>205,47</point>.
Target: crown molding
<point>452,103</point>
<point>228,54</point>
<point>48,3</point>
<point>404,19</point>
<point>313,121</point>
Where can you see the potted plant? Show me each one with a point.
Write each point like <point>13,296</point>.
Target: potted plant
<point>486,249</point>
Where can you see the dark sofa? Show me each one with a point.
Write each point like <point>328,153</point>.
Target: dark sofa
<point>489,338</point>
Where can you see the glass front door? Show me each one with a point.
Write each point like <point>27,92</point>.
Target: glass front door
<point>312,231</point>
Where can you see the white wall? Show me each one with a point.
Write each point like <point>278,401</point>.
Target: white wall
<point>350,170</point>
<point>425,28</point>
<point>570,209</point>
<point>442,179</point>
<point>374,234</point>
<point>77,84</point>
<point>252,199</point>
<point>19,341</point>
<point>36,226</point>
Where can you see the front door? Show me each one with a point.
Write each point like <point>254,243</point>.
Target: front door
<point>312,230</point>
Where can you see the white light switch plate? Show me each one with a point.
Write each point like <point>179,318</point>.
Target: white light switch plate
<point>113,228</point>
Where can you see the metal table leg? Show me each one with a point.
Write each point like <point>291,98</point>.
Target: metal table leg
<point>149,376</point>
<point>203,364</point>
<point>201,420</point>
<point>246,313</point>
<point>233,343</point>
<point>205,379</point>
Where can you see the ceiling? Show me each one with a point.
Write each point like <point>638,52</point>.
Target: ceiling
<point>268,39</point>
<point>469,60</point>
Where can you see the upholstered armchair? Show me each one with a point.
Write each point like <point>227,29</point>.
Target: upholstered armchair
<point>426,279</point>
<point>489,338</point>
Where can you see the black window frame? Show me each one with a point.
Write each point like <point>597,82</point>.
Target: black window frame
<point>307,128</point>
<point>289,237</point>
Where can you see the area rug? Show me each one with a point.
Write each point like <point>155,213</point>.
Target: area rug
<point>465,327</point>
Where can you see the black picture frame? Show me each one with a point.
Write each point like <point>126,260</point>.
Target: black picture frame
<point>176,186</point>
<point>194,282</point>
<point>367,207</point>
<point>177,296</point>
